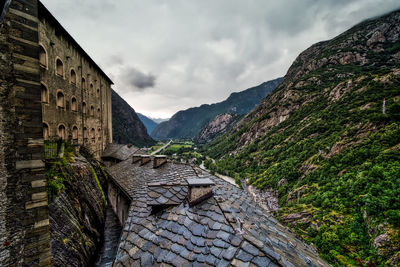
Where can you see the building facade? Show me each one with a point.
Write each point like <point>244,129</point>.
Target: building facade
<point>46,81</point>
<point>75,92</point>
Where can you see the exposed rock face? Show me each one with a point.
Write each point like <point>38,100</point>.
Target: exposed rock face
<point>127,127</point>
<point>77,215</point>
<point>188,123</point>
<point>267,199</point>
<point>287,98</point>
<point>219,125</point>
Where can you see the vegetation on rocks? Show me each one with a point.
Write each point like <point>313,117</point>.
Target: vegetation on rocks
<point>75,183</point>
<point>328,141</point>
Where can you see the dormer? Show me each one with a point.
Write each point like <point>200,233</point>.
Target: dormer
<point>199,190</point>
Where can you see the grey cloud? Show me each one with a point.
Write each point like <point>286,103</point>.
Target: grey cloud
<point>203,50</point>
<point>115,60</point>
<point>135,79</point>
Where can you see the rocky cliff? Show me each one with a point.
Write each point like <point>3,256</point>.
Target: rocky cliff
<point>76,188</point>
<point>188,123</point>
<point>127,127</point>
<point>219,125</point>
<point>327,140</point>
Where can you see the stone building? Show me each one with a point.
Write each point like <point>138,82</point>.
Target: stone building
<point>49,88</point>
<point>75,92</point>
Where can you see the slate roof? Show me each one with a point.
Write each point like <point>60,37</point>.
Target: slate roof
<point>119,152</point>
<point>166,195</point>
<point>228,229</point>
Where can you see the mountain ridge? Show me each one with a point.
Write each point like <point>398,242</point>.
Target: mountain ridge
<point>188,123</point>
<point>149,123</point>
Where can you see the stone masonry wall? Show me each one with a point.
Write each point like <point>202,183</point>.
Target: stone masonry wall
<point>94,92</point>
<point>24,218</point>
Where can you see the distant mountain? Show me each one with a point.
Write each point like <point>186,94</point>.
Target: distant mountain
<point>158,120</point>
<point>188,123</point>
<point>327,141</point>
<point>127,127</point>
<point>149,123</point>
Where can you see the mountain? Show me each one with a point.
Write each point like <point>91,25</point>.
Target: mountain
<point>327,141</point>
<point>149,123</point>
<point>217,126</point>
<point>158,120</point>
<point>188,123</point>
<point>127,127</point>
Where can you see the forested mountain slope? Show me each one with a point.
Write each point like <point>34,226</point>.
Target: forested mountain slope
<point>328,141</point>
<point>127,127</point>
<point>188,123</point>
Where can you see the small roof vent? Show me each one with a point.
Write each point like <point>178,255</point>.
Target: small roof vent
<point>199,190</point>
<point>145,159</point>
<point>136,158</point>
<point>159,160</point>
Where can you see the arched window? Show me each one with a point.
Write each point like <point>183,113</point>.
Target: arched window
<point>59,67</point>
<point>91,111</point>
<point>98,112</point>
<point>61,131</point>
<point>45,93</point>
<point>75,133</point>
<point>92,133</point>
<point>42,57</point>
<point>85,133</point>
<point>98,92</point>
<point>74,104</point>
<point>83,83</point>
<point>91,88</point>
<point>46,132</point>
<point>84,109</point>
<point>72,77</point>
<point>60,100</point>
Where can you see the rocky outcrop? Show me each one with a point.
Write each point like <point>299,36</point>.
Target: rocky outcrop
<point>219,125</point>
<point>77,214</point>
<point>188,123</point>
<point>127,127</point>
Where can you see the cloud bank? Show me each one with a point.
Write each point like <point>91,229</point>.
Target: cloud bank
<point>167,55</point>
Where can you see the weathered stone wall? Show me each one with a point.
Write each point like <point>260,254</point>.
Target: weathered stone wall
<point>119,202</point>
<point>95,91</point>
<point>24,218</point>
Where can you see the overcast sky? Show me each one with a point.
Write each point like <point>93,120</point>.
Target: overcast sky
<point>169,55</point>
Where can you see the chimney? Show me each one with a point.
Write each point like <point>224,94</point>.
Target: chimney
<point>136,158</point>
<point>159,160</point>
<point>145,159</point>
<point>199,190</point>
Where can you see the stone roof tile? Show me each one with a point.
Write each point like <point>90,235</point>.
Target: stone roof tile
<point>228,228</point>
